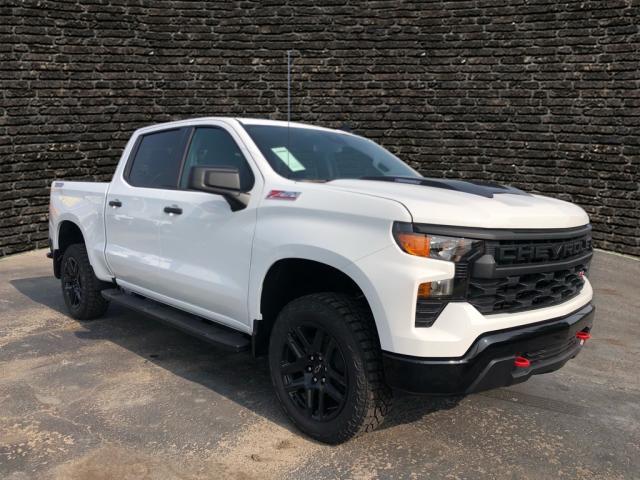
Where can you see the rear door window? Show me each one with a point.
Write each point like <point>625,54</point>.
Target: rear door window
<point>157,159</point>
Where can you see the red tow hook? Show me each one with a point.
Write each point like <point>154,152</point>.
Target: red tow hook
<point>583,337</point>
<point>522,362</point>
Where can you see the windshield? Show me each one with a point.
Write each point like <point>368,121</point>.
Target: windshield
<point>320,155</point>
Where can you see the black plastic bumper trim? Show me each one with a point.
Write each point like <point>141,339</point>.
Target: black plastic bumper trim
<point>489,362</point>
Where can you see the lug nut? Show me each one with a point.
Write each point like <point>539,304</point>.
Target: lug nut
<point>308,369</point>
<point>311,357</point>
<point>319,357</point>
<point>323,380</point>
<point>315,379</point>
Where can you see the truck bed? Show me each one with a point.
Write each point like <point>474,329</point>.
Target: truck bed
<point>83,204</point>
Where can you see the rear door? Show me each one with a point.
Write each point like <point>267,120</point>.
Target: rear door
<point>135,209</point>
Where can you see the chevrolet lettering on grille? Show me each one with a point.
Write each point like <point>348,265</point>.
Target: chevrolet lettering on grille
<point>540,253</point>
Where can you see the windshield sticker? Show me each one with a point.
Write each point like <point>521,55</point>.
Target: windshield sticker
<point>288,159</point>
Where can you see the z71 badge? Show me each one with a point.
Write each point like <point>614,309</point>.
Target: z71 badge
<point>282,195</point>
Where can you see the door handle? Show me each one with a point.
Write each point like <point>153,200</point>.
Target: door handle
<point>173,209</point>
<point>115,203</point>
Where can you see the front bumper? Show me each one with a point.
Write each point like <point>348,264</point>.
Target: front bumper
<point>489,362</point>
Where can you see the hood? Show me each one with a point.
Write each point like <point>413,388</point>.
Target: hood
<point>470,204</point>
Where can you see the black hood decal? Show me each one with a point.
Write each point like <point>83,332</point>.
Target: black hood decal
<point>483,189</point>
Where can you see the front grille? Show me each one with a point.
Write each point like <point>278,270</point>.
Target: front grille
<point>514,271</point>
<point>525,292</point>
<point>532,252</point>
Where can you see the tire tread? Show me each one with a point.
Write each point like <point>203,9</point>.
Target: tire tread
<point>373,396</point>
<point>95,304</point>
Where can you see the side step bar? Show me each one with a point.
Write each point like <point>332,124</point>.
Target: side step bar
<point>217,335</point>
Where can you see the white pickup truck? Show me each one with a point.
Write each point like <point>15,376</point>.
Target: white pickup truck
<point>351,271</point>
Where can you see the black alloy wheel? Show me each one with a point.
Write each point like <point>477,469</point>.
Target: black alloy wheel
<point>72,281</point>
<point>313,372</point>
<point>326,366</point>
<point>81,289</point>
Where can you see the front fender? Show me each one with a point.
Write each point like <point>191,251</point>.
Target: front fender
<point>328,226</point>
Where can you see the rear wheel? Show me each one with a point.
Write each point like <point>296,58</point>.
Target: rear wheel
<point>326,367</point>
<point>80,287</point>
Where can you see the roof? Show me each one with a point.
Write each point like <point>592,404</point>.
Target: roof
<point>243,121</point>
<point>282,123</point>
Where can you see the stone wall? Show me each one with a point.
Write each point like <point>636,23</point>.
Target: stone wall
<point>540,94</point>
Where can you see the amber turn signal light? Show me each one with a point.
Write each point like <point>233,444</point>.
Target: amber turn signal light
<point>424,290</point>
<point>414,243</point>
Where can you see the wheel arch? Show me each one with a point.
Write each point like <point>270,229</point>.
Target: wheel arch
<point>293,277</point>
<point>69,233</point>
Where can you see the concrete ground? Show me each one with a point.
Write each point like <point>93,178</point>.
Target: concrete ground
<point>126,398</point>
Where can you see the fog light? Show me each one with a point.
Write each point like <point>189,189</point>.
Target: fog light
<point>438,288</point>
<point>424,290</point>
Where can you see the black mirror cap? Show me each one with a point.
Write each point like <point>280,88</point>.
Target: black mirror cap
<point>206,178</point>
<point>223,181</point>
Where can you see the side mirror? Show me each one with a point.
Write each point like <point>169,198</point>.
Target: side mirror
<point>223,181</point>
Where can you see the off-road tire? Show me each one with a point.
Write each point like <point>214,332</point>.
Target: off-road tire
<point>90,303</point>
<point>367,397</point>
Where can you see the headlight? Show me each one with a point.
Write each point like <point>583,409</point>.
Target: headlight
<point>453,249</point>
<point>433,296</point>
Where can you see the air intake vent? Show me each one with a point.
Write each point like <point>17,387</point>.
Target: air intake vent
<point>427,311</point>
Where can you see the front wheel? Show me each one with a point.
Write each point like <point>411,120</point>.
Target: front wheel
<point>81,289</point>
<point>326,367</point>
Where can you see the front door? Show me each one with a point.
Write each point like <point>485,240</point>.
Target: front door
<point>206,246</point>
